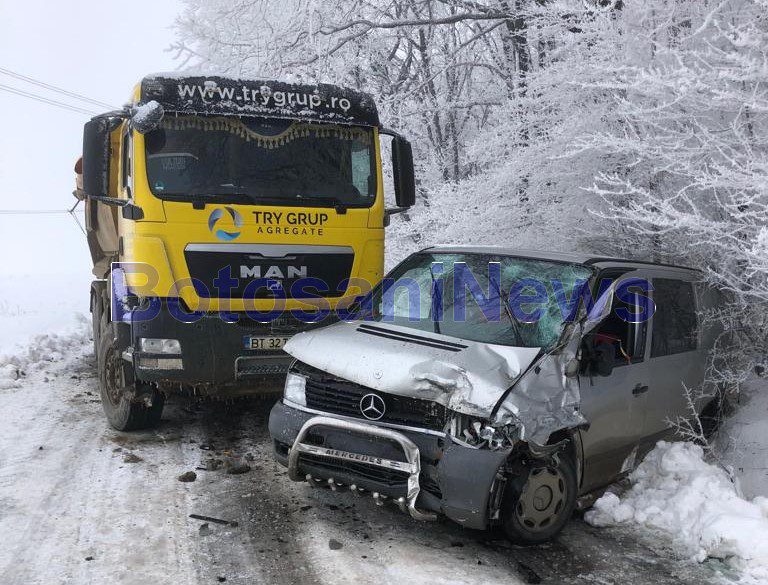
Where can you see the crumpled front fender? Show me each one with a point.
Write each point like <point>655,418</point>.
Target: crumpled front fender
<point>545,399</point>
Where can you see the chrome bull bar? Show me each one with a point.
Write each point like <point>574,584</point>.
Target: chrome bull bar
<point>411,451</point>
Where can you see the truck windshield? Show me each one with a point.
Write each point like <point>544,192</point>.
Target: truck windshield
<point>258,160</point>
<point>520,302</point>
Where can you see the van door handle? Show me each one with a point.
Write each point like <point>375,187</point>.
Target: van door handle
<point>639,389</point>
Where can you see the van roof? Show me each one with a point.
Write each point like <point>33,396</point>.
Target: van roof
<point>577,257</point>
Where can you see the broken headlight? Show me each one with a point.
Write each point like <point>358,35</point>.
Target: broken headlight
<point>474,432</point>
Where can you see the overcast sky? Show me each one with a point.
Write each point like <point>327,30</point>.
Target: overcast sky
<point>99,48</point>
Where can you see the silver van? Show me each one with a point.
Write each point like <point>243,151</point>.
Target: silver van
<point>497,386</point>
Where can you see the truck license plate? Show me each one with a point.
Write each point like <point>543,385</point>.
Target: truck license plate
<point>264,343</point>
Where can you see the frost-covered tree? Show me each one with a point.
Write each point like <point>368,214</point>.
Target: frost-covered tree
<point>635,128</point>
<point>691,101</point>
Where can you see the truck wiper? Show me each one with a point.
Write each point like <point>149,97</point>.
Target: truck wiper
<point>335,202</point>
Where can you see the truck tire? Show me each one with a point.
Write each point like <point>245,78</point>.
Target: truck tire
<point>97,308</point>
<point>537,511</point>
<point>122,413</point>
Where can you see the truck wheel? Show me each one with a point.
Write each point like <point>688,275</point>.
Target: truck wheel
<point>97,308</point>
<point>122,413</point>
<point>536,512</point>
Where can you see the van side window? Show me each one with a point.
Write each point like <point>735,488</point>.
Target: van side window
<point>674,322</point>
<point>624,340</point>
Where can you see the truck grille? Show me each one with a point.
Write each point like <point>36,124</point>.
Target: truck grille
<point>329,393</point>
<point>247,263</point>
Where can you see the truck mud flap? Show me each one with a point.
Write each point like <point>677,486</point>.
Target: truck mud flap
<point>412,465</point>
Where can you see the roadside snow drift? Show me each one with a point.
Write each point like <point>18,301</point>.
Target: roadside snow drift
<point>51,347</point>
<point>676,491</point>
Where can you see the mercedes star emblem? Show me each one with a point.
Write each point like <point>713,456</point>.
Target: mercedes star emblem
<point>372,406</point>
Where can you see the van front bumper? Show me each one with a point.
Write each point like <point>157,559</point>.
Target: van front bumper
<point>424,473</point>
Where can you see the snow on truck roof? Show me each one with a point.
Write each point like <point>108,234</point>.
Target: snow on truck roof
<point>570,257</point>
<point>230,96</point>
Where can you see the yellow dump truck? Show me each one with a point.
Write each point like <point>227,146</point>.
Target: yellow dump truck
<point>223,216</point>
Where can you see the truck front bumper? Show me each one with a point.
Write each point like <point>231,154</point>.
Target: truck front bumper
<point>213,356</point>
<point>422,472</point>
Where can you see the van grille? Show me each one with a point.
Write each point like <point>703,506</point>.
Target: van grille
<point>329,393</point>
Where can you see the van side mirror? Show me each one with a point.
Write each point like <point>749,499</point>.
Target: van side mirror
<point>404,175</point>
<point>96,157</point>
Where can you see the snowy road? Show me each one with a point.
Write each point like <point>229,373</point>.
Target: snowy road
<point>81,503</point>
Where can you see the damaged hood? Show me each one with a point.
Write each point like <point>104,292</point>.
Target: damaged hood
<point>466,376</point>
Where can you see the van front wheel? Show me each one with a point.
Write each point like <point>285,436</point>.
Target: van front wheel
<point>536,512</point>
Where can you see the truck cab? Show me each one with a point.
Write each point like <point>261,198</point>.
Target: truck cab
<point>224,216</point>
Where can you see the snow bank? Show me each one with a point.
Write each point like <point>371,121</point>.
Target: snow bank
<point>51,347</point>
<point>674,490</point>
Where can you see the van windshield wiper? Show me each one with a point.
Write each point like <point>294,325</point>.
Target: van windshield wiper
<point>512,321</point>
<point>435,322</point>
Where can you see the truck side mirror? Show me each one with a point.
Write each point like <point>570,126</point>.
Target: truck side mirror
<point>147,117</point>
<point>96,157</point>
<point>402,167</point>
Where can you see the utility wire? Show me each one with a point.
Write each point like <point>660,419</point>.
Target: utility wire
<point>35,211</point>
<point>46,100</point>
<point>50,87</point>
<point>72,212</point>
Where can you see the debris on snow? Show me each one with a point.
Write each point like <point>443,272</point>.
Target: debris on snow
<point>675,491</point>
<point>212,519</point>
<point>334,544</point>
<point>238,469</point>
<point>132,458</point>
<point>212,464</point>
<point>188,476</point>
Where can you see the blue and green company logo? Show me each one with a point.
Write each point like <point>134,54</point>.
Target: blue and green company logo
<point>218,214</point>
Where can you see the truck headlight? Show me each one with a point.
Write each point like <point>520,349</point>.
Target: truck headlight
<point>295,387</point>
<point>154,345</point>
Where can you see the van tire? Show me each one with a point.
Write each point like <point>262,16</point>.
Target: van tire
<point>122,413</point>
<point>537,510</point>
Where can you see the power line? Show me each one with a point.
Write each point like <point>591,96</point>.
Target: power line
<point>46,100</point>
<point>55,88</point>
<point>36,211</point>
